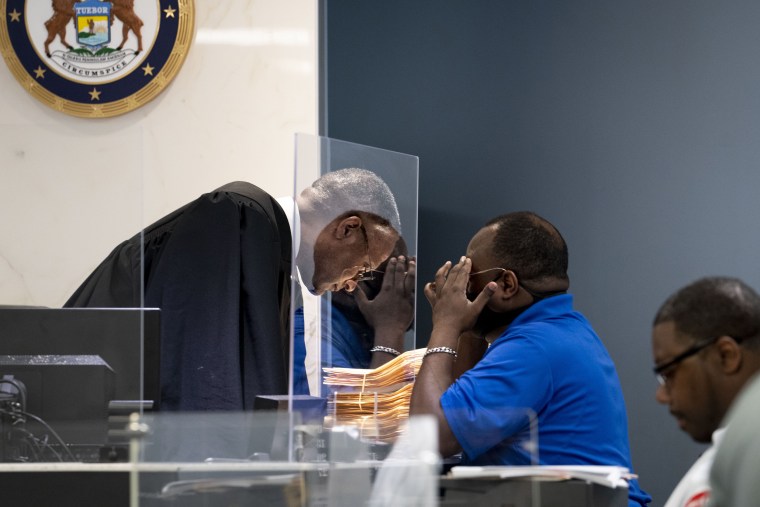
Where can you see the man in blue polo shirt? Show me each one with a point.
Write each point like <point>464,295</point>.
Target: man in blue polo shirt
<point>543,357</point>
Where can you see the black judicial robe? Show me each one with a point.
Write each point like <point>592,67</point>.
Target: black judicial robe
<point>219,270</point>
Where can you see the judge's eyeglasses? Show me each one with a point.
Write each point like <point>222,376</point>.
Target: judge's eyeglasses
<point>367,273</point>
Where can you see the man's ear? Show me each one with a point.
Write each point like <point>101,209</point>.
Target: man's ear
<point>730,354</point>
<point>347,226</point>
<point>508,284</point>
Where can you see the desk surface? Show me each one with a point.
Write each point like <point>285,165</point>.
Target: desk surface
<point>278,483</point>
<point>216,466</point>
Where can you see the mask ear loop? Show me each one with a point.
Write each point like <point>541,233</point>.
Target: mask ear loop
<point>538,296</point>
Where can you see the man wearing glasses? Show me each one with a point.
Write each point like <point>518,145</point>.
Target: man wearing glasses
<point>544,366</point>
<point>219,268</point>
<point>349,224</point>
<point>349,239</point>
<point>705,348</point>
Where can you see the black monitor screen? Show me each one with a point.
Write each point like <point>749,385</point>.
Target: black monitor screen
<point>62,368</point>
<point>127,339</point>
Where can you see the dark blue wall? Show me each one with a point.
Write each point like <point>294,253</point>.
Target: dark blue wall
<point>633,126</point>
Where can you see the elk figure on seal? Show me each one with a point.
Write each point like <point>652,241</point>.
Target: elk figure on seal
<point>63,12</point>
<point>124,10</point>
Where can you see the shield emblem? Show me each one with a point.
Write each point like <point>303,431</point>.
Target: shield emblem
<point>93,23</point>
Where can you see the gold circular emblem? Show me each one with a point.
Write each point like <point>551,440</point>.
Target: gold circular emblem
<point>92,58</point>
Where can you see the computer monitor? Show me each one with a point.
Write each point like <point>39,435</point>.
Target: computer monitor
<point>128,340</point>
<point>53,407</point>
<point>76,362</point>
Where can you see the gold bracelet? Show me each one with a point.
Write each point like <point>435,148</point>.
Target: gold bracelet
<point>436,350</point>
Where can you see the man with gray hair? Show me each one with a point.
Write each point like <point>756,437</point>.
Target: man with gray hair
<point>219,269</point>
<point>705,348</point>
<point>348,231</point>
<point>349,225</point>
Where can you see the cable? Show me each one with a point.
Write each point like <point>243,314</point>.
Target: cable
<point>33,445</point>
<point>30,442</point>
<point>51,430</point>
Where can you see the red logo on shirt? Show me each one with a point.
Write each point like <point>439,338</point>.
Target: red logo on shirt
<point>698,500</point>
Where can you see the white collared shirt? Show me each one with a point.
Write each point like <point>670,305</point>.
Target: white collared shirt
<point>693,490</point>
<point>288,205</point>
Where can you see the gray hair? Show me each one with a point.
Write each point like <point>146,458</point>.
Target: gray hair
<point>354,189</point>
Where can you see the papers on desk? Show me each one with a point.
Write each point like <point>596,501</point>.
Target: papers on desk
<point>213,485</point>
<point>385,378</point>
<point>610,476</point>
<point>376,401</point>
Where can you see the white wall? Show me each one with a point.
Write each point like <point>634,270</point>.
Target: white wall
<point>72,188</point>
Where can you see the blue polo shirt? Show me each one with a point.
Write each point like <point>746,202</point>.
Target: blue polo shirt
<point>549,362</point>
<point>341,347</point>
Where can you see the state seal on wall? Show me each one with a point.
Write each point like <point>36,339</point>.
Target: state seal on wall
<point>94,58</point>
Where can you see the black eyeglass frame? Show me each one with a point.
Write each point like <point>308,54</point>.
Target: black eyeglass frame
<point>368,272</point>
<point>658,369</point>
<point>694,349</point>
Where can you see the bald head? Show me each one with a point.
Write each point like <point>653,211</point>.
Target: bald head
<point>713,306</point>
<point>531,247</point>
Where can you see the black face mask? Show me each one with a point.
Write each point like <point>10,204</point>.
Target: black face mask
<point>488,320</point>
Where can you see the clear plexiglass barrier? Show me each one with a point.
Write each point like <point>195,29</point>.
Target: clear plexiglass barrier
<point>506,464</point>
<point>239,459</point>
<point>242,349</point>
<point>70,358</point>
<point>353,305</point>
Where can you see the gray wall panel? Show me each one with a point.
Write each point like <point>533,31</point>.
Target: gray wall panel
<point>632,126</point>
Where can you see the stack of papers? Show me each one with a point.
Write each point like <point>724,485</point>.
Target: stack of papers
<point>610,476</point>
<point>388,377</point>
<point>376,401</point>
